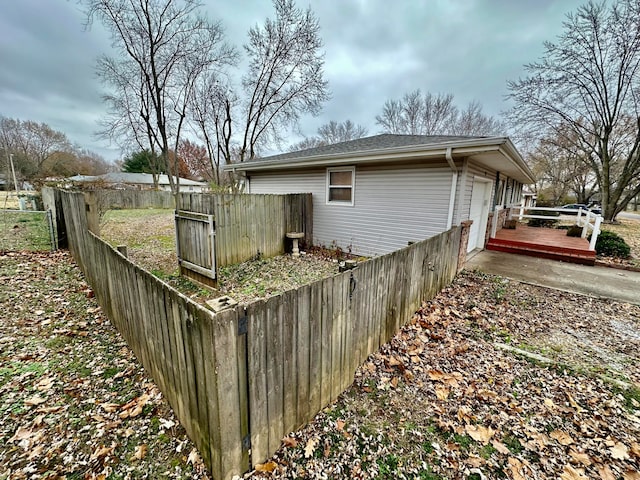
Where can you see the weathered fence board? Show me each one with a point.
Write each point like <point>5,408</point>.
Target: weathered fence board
<point>300,350</point>
<point>323,331</point>
<point>289,348</point>
<point>130,199</point>
<point>257,357</point>
<point>245,225</point>
<point>194,356</point>
<point>303,340</point>
<point>225,345</point>
<point>275,374</point>
<point>196,245</point>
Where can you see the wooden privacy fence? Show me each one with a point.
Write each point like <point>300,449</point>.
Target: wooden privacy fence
<point>130,199</point>
<point>243,378</point>
<point>196,245</point>
<point>305,345</point>
<point>193,355</point>
<point>245,225</point>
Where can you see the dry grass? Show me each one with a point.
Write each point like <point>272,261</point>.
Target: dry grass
<point>150,238</point>
<point>24,231</point>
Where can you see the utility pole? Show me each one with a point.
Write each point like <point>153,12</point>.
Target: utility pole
<point>13,171</point>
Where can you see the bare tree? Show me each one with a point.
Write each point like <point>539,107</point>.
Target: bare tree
<point>334,132</point>
<point>285,77</point>
<point>33,144</point>
<point>284,80</point>
<point>307,143</point>
<point>211,107</point>
<point>589,83</point>
<point>472,121</point>
<point>164,47</point>
<point>439,113</point>
<point>559,172</point>
<point>330,133</point>
<point>391,119</point>
<point>429,114</point>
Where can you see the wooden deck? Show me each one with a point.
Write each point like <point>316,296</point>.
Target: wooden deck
<point>543,242</point>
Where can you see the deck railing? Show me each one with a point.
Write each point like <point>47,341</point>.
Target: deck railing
<point>589,221</point>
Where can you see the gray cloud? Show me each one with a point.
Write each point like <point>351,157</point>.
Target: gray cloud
<point>375,50</point>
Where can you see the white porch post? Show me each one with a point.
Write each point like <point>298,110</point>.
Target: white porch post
<point>494,221</point>
<point>596,232</point>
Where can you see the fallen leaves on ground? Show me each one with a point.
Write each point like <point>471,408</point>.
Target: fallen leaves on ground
<point>629,230</point>
<point>496,414</point>
<point>74,401</point>
<point>462,408</point>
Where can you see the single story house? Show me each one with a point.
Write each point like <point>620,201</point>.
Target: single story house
<point>138,181</point>
<point>376,194</point>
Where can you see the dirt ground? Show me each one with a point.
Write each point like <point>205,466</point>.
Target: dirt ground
<point>74,401</point>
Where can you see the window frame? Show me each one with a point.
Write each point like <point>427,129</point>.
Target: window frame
<point>328,186</point>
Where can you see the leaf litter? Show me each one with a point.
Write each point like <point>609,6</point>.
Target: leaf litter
<point>74,401</point>
<point>438,401</point>
<point>441,401</point>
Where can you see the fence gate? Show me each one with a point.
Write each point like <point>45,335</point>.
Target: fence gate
<point>196,246</point>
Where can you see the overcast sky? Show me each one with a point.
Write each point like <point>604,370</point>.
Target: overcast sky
<point>375,50</point>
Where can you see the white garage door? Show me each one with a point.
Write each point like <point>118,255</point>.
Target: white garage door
<point>479,212</point>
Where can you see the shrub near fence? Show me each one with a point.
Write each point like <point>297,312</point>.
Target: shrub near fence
<point>259,373</point>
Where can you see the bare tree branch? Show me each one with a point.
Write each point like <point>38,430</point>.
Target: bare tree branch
<point>585,89</point>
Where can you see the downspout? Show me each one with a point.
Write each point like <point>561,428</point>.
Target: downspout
<point>454,183</point>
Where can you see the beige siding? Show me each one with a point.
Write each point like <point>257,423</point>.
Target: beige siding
<point>475,170</point>
<point>393,205</point>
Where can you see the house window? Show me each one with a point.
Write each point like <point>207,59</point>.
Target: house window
<point>340,185</point>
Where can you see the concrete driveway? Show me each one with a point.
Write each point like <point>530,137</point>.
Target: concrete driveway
<point>629,215</point>
<point>595,281</point>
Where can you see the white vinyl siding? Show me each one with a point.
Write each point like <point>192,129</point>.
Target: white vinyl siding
<point>393,205</point>
<point>475,170</point>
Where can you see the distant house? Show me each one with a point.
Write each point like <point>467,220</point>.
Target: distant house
<point>374,195</point>
<point>139,181</point>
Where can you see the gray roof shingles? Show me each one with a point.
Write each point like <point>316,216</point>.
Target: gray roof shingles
<point>377,142</point>
<point>133,178</point>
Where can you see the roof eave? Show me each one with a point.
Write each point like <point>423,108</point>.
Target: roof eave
<point>514,155</point>
<point>397,154</point>
<point>394,153</point>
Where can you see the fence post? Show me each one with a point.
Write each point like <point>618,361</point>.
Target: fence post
<point>464,241</point>
<point>93,216</point>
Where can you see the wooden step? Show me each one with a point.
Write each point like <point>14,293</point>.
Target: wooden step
<point>566,254</point>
